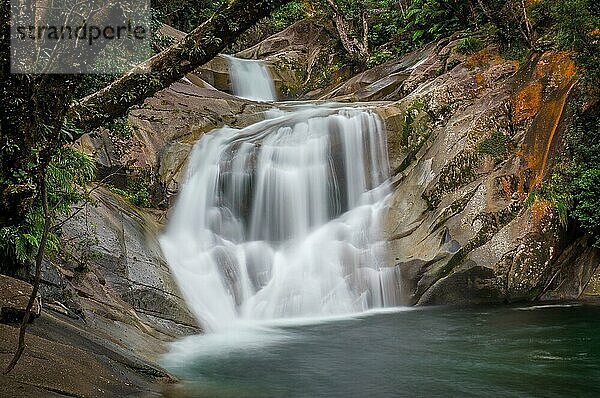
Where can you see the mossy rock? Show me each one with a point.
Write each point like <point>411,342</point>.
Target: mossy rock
<point>459,172</point>
<point>409,126</point>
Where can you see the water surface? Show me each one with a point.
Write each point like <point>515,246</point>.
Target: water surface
<point>540,351</point>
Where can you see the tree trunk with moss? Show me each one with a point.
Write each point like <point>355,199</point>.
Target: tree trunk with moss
<point>349,34</point>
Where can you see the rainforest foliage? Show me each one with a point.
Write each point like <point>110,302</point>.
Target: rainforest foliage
<point>370,32</point>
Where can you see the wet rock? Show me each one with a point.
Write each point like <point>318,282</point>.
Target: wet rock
<point>216,73</point>
<point>122,267</point>
<point>381,81</point>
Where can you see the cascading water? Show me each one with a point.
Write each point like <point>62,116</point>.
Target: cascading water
<point>251,79</point>
<point>280,219</point>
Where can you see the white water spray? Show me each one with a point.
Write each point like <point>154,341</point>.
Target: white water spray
<point>280,219</point>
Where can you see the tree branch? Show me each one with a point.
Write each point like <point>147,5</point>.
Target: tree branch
<point>165,68</point>
<point>38,273</point>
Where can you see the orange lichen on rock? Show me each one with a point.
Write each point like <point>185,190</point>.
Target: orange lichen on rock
<point>522,182</point>
<point>544,99</point>
<point>553,71</point>
<point>526,103</point>
<point>557,67</point>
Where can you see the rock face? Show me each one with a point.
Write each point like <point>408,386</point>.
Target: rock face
<point>65,358</point>
<point>381,82</point>
<point>216,73</point>
<point>122,265</point>
<point>470,139</point>
<point>111,278</point>
<point>300,59</point>
<point>14,297</point>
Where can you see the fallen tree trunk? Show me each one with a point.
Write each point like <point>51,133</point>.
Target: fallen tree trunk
<point>165,68</point>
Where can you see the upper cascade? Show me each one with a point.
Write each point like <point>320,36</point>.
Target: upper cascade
<point>251,79</point>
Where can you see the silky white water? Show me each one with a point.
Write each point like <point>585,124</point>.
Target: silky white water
<point>251,79</point>
<point>280,219</point>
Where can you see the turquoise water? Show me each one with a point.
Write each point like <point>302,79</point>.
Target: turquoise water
<point>543,351</point>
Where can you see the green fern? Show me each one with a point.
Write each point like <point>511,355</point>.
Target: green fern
<point>67,176</point>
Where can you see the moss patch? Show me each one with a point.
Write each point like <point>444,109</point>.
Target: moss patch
<point>469,45</point>
<point>459,172</point>
<point>137,188</point>
<point>498,146</point>
<point>415,130</point>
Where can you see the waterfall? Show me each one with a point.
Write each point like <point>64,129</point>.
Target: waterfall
<point>251,79</point>
<point>280,219</point>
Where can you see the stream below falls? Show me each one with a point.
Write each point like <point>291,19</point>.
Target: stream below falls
<point>540,351</point>
<point>275,244</point>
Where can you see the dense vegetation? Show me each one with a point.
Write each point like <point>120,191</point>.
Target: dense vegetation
<point>370,32</point>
